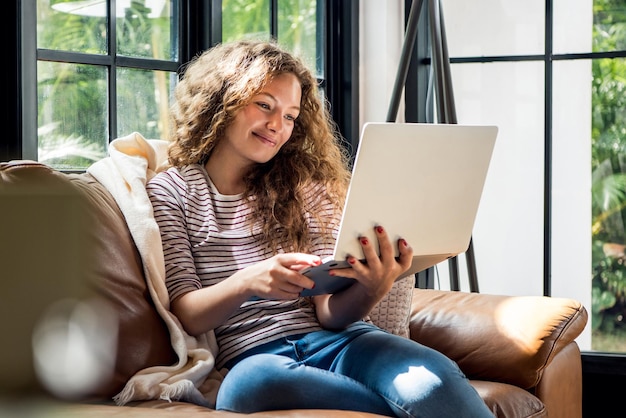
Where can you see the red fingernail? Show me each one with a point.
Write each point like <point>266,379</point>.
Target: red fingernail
<point>379,229</point>
<point>351,260</point>
<point>364,241</point>
<point>403,241</point>
<point>331,272</point>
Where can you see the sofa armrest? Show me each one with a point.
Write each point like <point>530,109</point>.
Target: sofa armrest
<point>509,339</point>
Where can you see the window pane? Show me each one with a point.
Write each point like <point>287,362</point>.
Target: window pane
<point>245,19</point>
<point>571,183</point>
<point>298,31</point>
<point>146,29</point>
<point>143,102</point>
<point>504,27</point>
<point>608,194</point>
<point>70,26</point>
<point>509,223</point>
<point>573,26</point>
<point>609,25</point>
<point>72,114</point>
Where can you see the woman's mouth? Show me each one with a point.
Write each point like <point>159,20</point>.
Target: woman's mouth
<point>265,139</point>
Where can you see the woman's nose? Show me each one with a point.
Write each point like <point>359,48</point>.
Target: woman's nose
<point>275,122</point>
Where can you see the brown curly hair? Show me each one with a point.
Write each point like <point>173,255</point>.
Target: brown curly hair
<point>221,81</point>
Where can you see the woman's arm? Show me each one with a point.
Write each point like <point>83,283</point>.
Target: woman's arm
<point>205,309</point>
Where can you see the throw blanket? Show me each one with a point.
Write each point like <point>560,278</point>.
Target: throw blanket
<point>132,161</point>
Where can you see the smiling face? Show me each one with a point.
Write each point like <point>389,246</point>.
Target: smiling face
<point>263,126</point>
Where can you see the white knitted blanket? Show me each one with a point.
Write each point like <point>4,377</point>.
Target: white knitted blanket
<point>132,161</point>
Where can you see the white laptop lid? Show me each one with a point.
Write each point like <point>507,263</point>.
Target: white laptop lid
<point>421,182</point>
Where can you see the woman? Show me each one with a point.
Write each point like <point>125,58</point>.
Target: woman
<point>254,195</point>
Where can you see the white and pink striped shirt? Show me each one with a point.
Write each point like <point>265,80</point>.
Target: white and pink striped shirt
<point>206,238</point>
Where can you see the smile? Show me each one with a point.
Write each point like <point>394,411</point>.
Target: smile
<point>265,140</point>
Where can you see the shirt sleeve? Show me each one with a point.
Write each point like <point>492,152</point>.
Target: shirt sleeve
<point>167,191</point>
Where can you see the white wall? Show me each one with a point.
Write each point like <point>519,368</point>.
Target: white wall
<point>509,229</point>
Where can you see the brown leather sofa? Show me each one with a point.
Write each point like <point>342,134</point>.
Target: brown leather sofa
<point>519,351</point>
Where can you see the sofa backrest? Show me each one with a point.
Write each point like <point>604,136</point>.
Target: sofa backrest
<point>113,274</point>
<point>42,261</point>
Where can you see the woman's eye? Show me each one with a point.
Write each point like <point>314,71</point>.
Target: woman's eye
<point>263,105</point>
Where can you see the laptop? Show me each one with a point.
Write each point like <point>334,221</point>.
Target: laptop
<point>421,182</point>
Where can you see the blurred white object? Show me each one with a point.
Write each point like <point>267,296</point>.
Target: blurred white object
<point>74,347</point>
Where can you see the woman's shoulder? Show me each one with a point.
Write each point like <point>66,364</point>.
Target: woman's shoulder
<point>185,174</point>
<point>179,179</point>
<point>193,173</point>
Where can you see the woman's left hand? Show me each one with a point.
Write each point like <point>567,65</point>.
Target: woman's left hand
<point>378,273</point>
<point>375,277</point>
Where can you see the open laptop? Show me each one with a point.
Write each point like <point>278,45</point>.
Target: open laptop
<point>421,182</point>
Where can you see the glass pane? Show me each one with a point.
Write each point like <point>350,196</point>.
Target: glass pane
<point>70,26</point>
<point>573,26</point>
<point>146,28</point>
<point>143,101</point>
<point>505,27</point>
<point>571,183</point>
<point>608,194</point>
<point>245,19</point>
<point>298,30</point>
<point>72,114</point>
<point>609,25</point>
<point>509,222</point>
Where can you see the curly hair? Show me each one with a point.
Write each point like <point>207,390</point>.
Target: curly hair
<point>220,82</point>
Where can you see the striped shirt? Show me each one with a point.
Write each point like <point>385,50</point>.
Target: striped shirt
<point>206,239</point>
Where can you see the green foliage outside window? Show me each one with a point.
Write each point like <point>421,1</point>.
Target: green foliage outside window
<point>609,177</point>
<point>297,25</point>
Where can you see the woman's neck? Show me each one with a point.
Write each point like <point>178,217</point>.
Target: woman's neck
<point>227,178</point>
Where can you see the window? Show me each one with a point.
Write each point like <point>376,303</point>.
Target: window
<point>103,70</point>
<point>552,216</point>
<point>94,70</point>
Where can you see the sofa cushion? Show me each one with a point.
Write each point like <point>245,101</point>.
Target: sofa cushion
<point>393,312</point>
<point>165,409</point>
<point>508,401</point>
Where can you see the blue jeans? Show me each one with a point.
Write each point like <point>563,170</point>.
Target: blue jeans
<point>361,368</point>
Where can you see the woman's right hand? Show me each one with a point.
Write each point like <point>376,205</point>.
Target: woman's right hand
<point>278,277</point>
